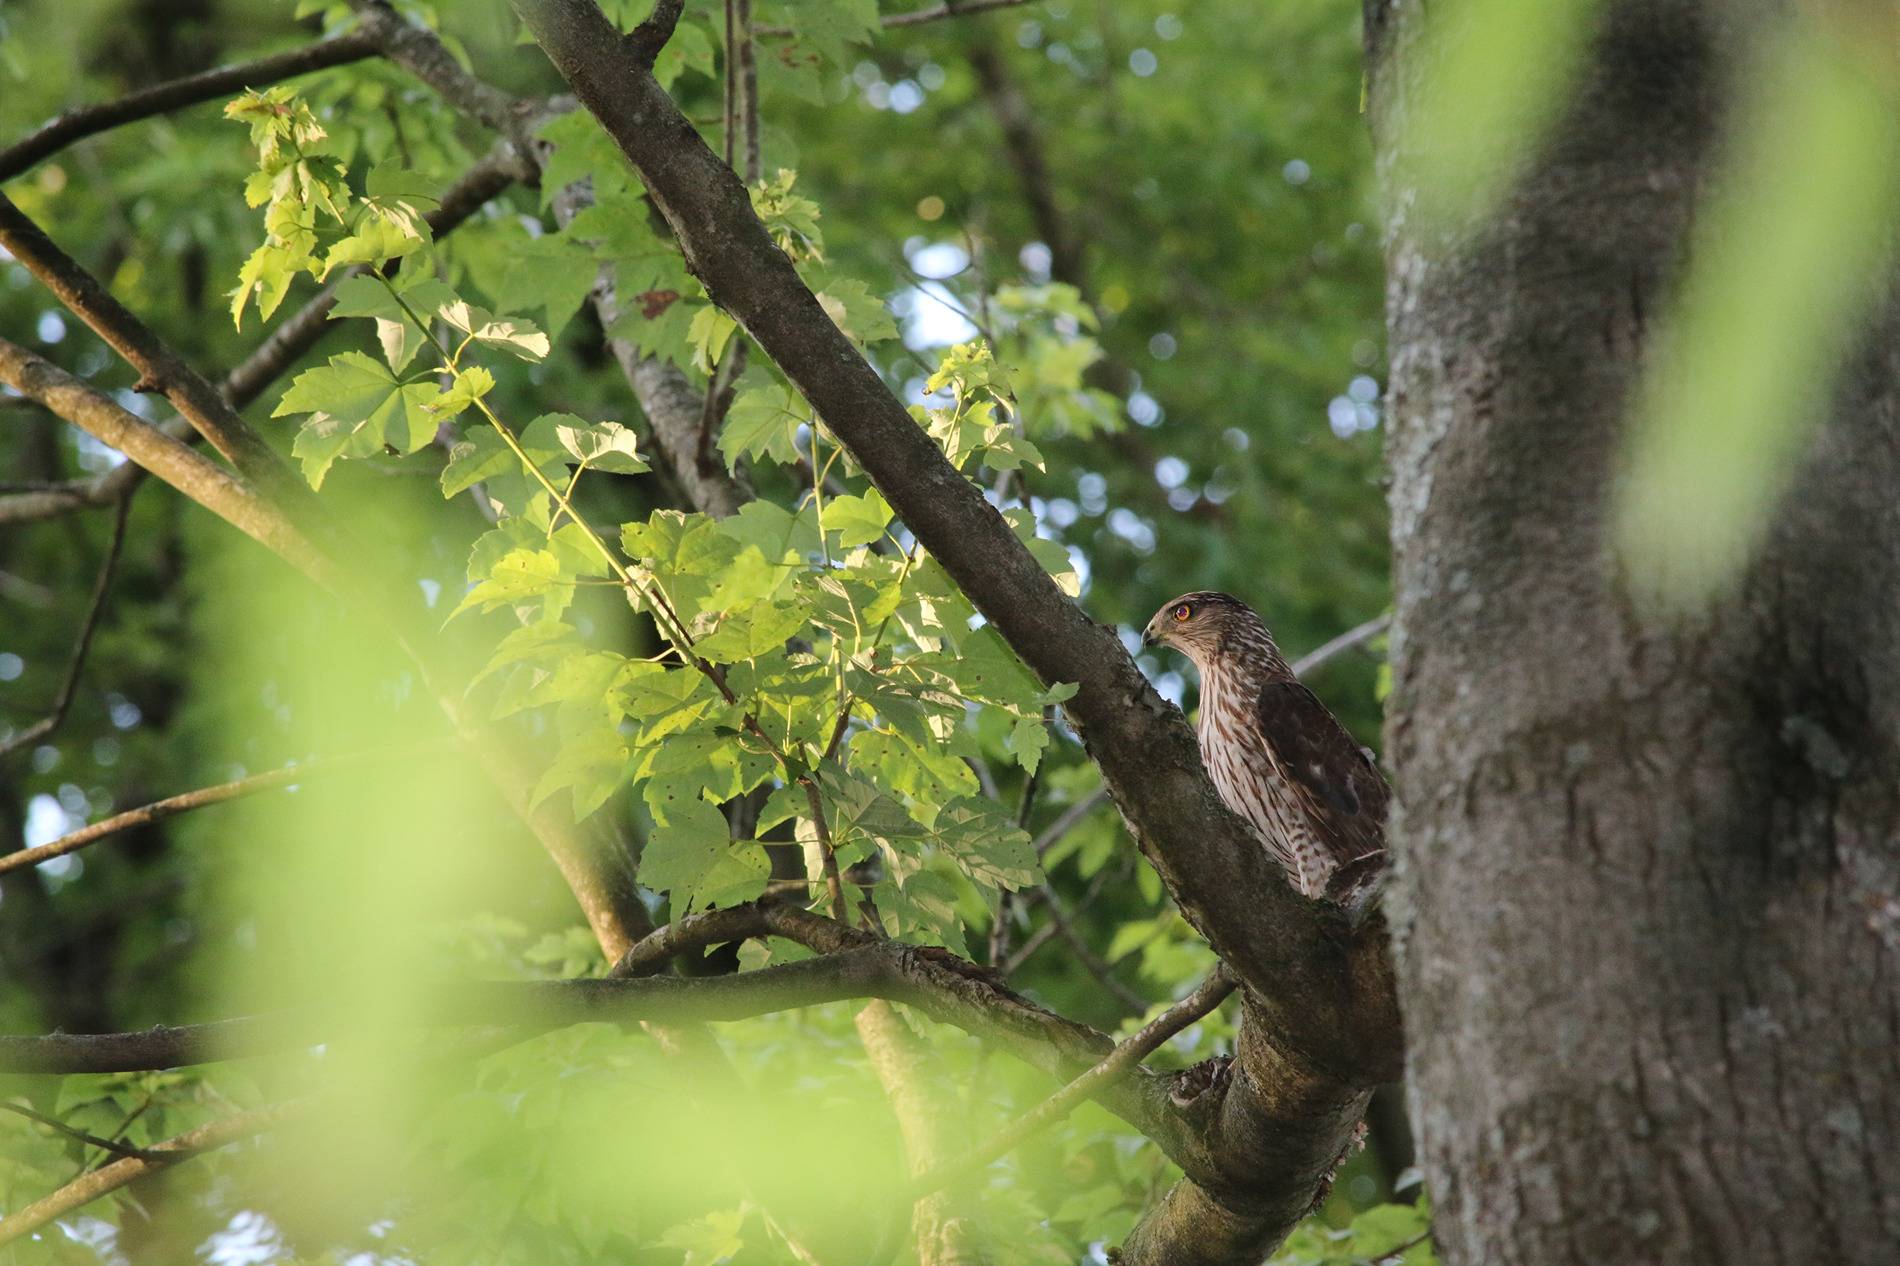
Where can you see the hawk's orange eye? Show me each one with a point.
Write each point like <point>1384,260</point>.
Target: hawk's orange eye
<point>1182,612</point>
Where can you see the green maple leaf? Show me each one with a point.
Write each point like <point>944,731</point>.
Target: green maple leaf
<point>693,857</point>
<point>791,218</point>
<point>985,842</point>
<point>401,338</point>
<point>606,446</point>
<point>517,576</point>
<point>470,385</point>
<point>582,151</point>
<point>479,455</point>
<point>359,406</point>
<point>709,333</point>
<point>267,274</point>
<point>689,49</point>
<point>1028,739</point>
<point>590,767</point>
<point>750,632</point>
<point>552,273</point>
<point>509,334</point>
<point>857,519</point>
<point>375,240</point>
<point>855,310</point>
<point>762,423</point>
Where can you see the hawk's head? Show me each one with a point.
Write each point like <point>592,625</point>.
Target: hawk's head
<point>1198,624</point>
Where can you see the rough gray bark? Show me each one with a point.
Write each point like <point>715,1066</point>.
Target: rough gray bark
<point>1646,913</point>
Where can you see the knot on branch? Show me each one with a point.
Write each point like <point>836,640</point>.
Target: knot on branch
<point>647,39</point>
<point>1202,1085</point>
<point>964,967</point>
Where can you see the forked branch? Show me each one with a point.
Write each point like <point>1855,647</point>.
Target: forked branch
<point>1116,1064</point>
<point>108,1178</point>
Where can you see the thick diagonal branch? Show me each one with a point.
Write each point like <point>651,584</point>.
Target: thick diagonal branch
<point>160,368</point>
<point>184,468</point>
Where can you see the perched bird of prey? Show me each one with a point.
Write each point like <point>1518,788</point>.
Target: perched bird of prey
<point>1278,758</point>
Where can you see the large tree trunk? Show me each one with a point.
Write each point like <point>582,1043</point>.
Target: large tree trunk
<point>1645,910</point>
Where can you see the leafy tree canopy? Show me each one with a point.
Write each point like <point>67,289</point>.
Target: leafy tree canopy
<point>1118,260</point>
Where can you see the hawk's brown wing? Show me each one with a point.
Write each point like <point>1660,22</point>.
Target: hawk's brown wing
<point>1342,792</point>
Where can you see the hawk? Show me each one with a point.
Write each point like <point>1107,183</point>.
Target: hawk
<point>1277,757</point>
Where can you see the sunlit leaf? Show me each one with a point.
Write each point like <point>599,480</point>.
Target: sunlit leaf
<point>693,857</point>
<point>606,446</point>
<point>763,422</point>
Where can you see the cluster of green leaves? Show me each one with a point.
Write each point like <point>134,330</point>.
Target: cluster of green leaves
<point>816,660</point>
<point>130,1110</point>
<point>303,189</point>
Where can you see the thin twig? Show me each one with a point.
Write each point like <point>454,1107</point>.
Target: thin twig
<point>163,98</point>
<point>125,1126</point>
<point>109,1178</point>
<point>1047,932</point>
<point>984,778</point>
<point>1116,1064</point>
<point>1023,146</point>
<point>729,114</point>
<point>749,92</point>
<point>27,592</point>
<point>90,1140</point>
<point>1399,1249</point>
<point>160,368</point>
<point>97,605</point>
<point>1068,819</point>
<point>159,450</point>
<point>916,17</point>
<point>999,927</point>
<point>651,954</point>
<point>834,883</point>
<point>1359,635</point>
<point>1093,963</point>
<point>721,388</point>
<point>184,801</point>
<point>839,727</point>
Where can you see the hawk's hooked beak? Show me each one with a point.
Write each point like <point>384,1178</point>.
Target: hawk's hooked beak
<point>1148,638</point>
